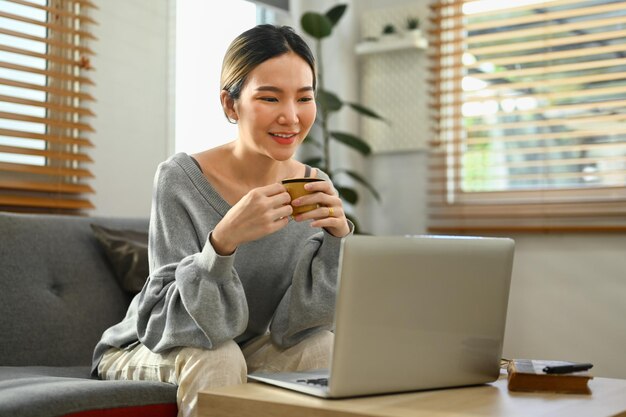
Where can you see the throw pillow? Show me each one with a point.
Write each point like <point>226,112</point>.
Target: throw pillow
<point>127,252</point>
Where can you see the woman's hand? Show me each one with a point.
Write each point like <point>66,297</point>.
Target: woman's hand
<point>329,214</point>
<point>261,212</point>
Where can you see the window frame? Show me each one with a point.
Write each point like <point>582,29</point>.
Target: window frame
<point>454,209</point>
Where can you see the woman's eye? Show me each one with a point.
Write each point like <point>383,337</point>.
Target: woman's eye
<point>269,99</point>
<point>306,99</point>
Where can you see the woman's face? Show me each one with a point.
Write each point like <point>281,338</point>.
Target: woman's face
<point>276,108</point>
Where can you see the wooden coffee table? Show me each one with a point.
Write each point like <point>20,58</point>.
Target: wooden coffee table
<point>254,399</point>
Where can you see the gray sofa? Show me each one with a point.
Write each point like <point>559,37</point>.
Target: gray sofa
<point>58,293</point>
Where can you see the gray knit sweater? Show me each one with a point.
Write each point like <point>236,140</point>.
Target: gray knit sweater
<point>284,282</point>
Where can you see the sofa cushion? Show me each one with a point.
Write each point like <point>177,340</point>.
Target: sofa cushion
<point>57,391</point>
<point>58,291</point>
<point>127,252</point>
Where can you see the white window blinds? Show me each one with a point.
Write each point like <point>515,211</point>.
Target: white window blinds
<point>44,111</point>
<point>529,115</point>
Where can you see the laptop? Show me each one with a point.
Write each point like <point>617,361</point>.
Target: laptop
<point>413,313</point>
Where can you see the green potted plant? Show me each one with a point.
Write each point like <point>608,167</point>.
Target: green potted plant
<point>320,26</point>
<point>413,27</point>
<point>389,29</point>
<point>412,23</point>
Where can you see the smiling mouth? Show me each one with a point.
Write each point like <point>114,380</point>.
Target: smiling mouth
<point>284,138</point>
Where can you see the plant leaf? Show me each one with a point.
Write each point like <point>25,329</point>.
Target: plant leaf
<point>357,229</point>
<point>360,179</point>
<point>348,194</point>
<point>367,112</point>
<point>310,140</point>
<point>354,142</point>
<point>317,25</point>
<point>336,12</point>
<point>315,162</point>
<point>329,101</point>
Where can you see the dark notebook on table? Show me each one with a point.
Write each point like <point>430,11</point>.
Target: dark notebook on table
<point>531,375</point>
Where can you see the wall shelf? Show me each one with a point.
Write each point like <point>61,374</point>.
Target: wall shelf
<point>393,79</point>
<point>388,45</point>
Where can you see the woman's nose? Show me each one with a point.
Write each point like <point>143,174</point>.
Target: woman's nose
<point>288,115</point>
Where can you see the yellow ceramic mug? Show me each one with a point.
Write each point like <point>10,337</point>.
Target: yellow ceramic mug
<point>295,188</point>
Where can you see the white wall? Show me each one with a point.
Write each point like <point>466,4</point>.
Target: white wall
<point>202,37</point>
<point>132,120</point>
<point>401,177</point>
<point>568,300</point>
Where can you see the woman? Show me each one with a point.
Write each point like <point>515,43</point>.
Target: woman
<point>236,282</point>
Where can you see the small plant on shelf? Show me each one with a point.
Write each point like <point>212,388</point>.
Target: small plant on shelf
<point>389,29</point>
<point>412,23</point>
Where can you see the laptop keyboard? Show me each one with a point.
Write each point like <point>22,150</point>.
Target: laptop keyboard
<point>322,382</point>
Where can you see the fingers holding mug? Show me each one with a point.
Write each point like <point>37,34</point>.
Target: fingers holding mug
<point>332,218</point>
<point>317,200</point>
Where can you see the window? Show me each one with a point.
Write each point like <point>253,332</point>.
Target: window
<point>529,115</point>
<point>44,54</point>
<point>202,36</point>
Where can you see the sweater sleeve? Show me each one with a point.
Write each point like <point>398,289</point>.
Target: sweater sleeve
<point>309,303</point>
<point>193,296</point>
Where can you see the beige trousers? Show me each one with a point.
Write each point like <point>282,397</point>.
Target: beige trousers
<point>195,369</point>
